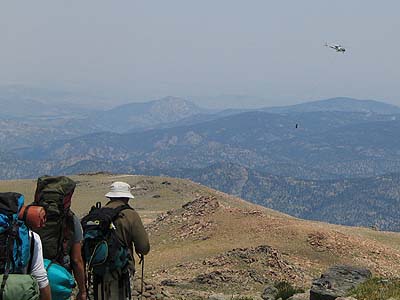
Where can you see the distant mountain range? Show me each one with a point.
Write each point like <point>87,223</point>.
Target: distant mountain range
<point>310,145</point>
<point>28,121</point>
<point>324,145</point>
<point>339,104</point>
<point>324,160</point>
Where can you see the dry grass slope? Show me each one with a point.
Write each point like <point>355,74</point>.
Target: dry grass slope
<point>205,241</point>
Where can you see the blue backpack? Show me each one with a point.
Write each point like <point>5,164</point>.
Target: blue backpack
<point>15,245</point>
<point>61,281</point>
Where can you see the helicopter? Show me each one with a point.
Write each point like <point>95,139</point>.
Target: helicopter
<point>337,47</point>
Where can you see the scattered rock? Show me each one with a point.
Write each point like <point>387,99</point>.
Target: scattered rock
<point>150,291</point>
<point>259,264</point>
<point>148,287</point>
<point>169,282</point>
<point>213,277</point>
<point>192,219</point>
<point>146,295</point>
<point>200,206</point>
<point>337,282</point>
<point>319,241</point>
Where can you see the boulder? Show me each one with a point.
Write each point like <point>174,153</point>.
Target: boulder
<point>337,282</point>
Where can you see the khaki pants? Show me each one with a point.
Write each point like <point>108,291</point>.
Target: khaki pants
<point>113,287</point>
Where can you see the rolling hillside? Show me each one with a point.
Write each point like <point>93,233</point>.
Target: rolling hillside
<point>204,241</point>
<point>372,201</point>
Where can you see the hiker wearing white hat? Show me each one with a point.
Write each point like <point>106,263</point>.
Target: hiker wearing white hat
<point>130,230</point>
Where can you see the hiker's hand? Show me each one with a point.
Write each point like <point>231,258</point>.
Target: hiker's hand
<point>81,296</point>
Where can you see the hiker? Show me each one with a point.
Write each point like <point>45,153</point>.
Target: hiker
<point>112,274</point>
<point>20,254</point>
<point>61,236</point>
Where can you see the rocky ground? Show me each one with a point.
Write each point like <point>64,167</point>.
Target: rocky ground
<point>246,270</point>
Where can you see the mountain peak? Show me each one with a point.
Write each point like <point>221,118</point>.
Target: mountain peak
<point>138,115</point>
<point>175,105</point>
<point>173,99</point>
<point>344,104</point>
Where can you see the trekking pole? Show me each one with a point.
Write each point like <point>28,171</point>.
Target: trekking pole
<point>142,281</point>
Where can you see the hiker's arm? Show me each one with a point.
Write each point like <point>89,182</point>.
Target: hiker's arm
<point>45,293</point>
<point>37,269</point>
<point>78,269</point>
<point>141,239</point>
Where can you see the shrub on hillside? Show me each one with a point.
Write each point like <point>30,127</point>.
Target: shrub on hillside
<point>377,289</point>
<point>286,290</point>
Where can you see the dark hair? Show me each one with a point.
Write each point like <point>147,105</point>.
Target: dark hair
<point>119,198</point>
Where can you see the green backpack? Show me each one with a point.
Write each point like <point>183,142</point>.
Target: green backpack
<point>54,193</point>
<point>21,287</point>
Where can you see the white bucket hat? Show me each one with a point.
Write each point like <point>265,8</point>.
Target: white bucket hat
<point>120,189</point>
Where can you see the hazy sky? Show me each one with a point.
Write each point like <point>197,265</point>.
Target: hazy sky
<point>142,50</point>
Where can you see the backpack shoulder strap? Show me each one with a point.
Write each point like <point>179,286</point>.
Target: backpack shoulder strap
<point>65,236</point>
<point>31,251</point>
<point>119,209</point>
<point>123,207</point>
<point>9,246</point>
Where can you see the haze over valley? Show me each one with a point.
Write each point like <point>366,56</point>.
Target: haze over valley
<point>334,160</point>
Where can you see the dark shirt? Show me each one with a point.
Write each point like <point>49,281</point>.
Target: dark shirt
<point>130,229</point>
